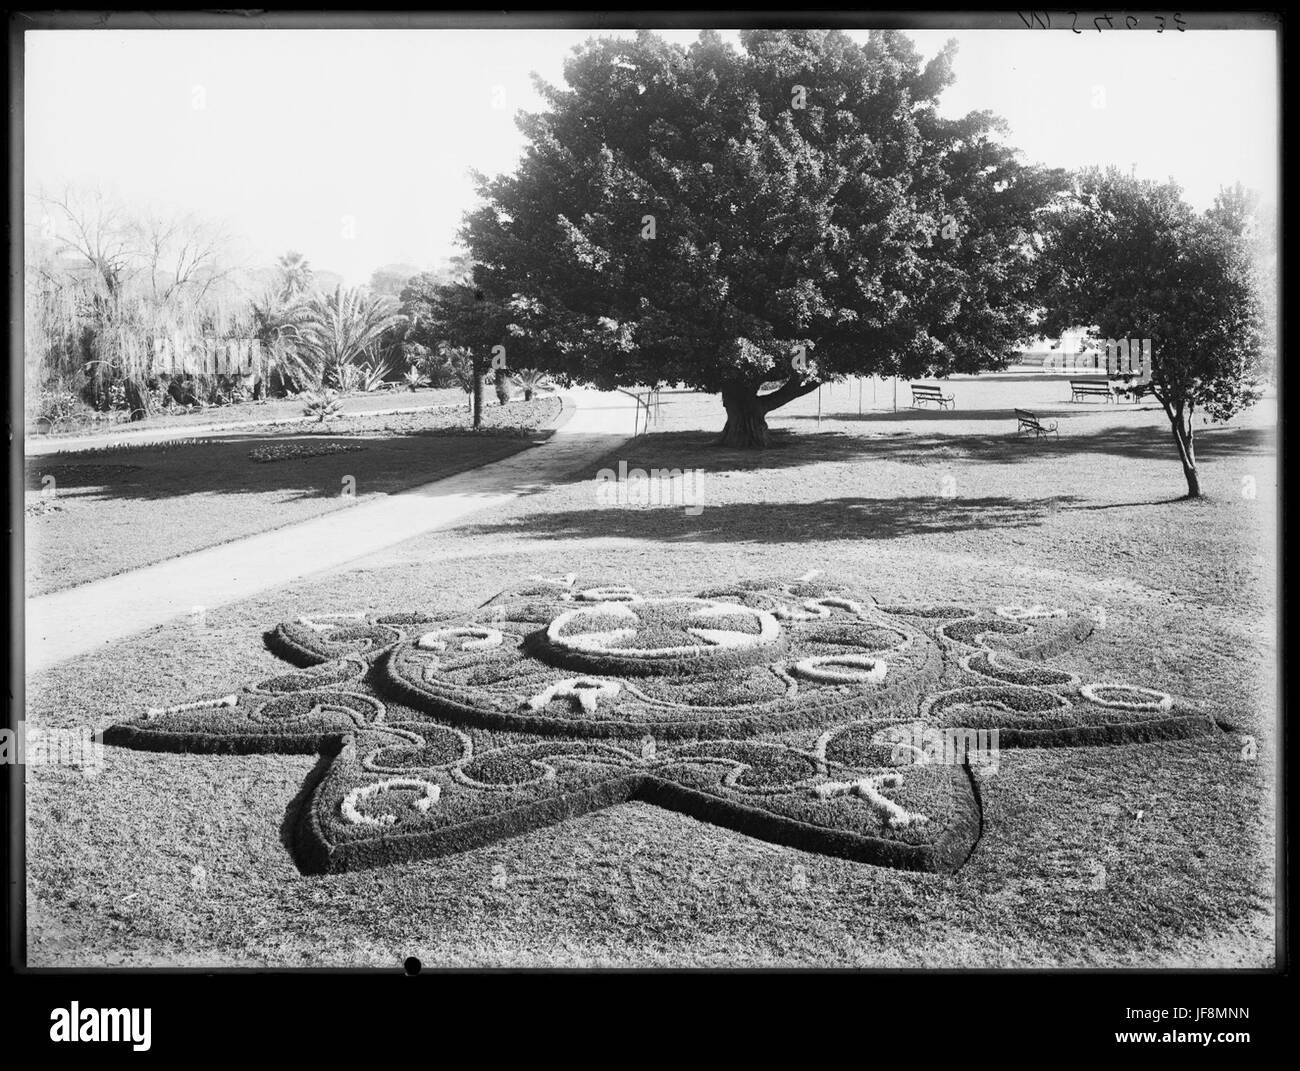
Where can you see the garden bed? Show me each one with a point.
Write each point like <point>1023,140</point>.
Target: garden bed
<point>271,410</point>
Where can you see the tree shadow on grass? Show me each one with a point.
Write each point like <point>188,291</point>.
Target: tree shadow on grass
<point>792,449</point>
<point>222,465</point>
<point>388,463</point>
<point>962,416</point>
<point>776,522</point>
<point>1130,505</point>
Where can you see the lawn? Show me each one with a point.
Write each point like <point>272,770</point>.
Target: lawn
<point>1139,855</point>
<point>132,506</point>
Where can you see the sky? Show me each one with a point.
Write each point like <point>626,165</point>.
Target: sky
<point>354,147</point>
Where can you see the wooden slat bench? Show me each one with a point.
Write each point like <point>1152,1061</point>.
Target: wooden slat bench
<point>1029,422</point>
<point>1082,388</point>
<point>925,392</point>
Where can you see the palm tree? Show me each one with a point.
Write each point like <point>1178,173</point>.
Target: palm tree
<point>295,276</point>
<point>531,382</point>
<point>277,326</point>
<point>339,328</point>
<point>323,403</point>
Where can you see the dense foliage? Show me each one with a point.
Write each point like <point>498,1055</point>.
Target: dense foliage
<point>791,212</point>
<point>1132,259</point>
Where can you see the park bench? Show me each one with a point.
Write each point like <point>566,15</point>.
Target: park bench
<point>1081,388</point>
<point>1029,422</point>
<point>924,392</point>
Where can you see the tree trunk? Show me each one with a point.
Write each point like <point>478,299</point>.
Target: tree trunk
<point>1184,438</point>
<point>747,410</point>
<point>478,392</point>
<point>137,402</point>
<point>746,426</point>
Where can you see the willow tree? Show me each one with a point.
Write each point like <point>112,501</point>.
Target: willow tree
<point>112,283</point>
<point>753,223</point>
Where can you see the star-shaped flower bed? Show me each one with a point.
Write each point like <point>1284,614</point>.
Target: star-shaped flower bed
<point>800,712</point>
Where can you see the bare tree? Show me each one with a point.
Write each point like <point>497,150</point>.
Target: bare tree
<point>94,226</point>
<point>183,256</point>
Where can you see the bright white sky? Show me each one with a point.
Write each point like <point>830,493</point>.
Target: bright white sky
<point>283,134</point>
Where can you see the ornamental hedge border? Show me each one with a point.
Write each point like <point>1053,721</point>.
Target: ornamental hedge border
<point>891,700</point>
<point>319,852</point>
<point>480,732</point>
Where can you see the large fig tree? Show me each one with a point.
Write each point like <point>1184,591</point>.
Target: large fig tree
<point>755,222</point>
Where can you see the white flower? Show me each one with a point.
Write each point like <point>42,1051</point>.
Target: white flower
<point>868,788</point>
<point>1143,698</point>
<point>430,791</point>
<point>1024,613</point>
<point>224,701</point>
<point>476,637</point>
<point>842,669</point>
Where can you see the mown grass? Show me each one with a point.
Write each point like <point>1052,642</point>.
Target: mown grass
<point>1139,855</point>
<point>129,508</point>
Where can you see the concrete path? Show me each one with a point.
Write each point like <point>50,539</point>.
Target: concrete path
<point>66,624</point>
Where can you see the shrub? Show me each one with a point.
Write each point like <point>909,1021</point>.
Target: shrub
<point>323,404</point>
<point>57,407</point>
<point>501,382</point>
<point>374,373</point>
<point>532,382</point>
<point>348,378</point>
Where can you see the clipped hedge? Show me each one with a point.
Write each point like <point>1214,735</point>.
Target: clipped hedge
<point>448,730</point>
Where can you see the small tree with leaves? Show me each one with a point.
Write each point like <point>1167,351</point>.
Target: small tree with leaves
<point>458,321</point>
<point>1133,260</point>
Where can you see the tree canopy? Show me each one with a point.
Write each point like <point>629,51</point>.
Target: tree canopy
<point>1133,260</point>
<point>791,212</point>
<point>456,320</point>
